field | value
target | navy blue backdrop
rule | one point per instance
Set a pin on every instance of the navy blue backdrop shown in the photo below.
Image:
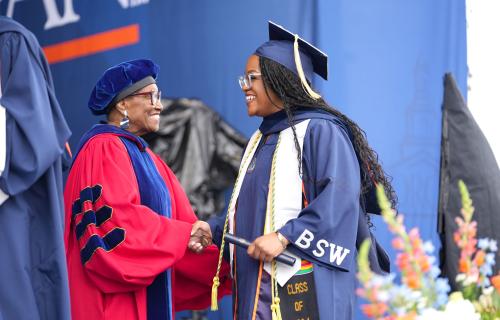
(387, 61)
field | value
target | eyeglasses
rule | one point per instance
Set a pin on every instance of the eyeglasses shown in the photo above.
(154, 95)
(246, 80)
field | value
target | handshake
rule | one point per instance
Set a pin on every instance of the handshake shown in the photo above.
(201, 237)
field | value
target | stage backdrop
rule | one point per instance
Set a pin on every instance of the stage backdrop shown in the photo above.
(387, 61)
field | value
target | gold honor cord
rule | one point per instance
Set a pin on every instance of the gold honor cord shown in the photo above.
(275, 304)
(300, 71)
(216, 281)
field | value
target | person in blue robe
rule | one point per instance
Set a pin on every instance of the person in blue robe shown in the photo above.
(338, 171)
(33, 274)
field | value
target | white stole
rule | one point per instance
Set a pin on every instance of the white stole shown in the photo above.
(287, 191)
(3, 141)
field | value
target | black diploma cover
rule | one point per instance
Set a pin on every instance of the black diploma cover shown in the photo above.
(283, 258)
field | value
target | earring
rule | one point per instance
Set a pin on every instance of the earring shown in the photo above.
(124, 123)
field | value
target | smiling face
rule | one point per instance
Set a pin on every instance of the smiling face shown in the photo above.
(259, 103)
(144, 117)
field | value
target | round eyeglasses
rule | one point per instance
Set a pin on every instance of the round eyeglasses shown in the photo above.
(245, 81)
(154, 95)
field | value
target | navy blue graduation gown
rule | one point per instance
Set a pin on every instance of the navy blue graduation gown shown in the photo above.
(33, 273)
(331, 177)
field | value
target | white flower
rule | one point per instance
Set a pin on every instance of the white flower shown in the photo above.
(431, 314)
(383, 296)
(483, 243)
(428, 247)
(460, 309)
(379, 280)
(460, 277)
(488, 290)
(455, 309)
(490, 258)
(493, 245)
(471, 279)
(435, 272)
(487, 244)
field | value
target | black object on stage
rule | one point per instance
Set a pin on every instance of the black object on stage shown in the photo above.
(202, 149)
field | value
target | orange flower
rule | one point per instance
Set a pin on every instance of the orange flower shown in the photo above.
(424, 264)
(409, 316)
(413, 281)
(374, 310)
(416, 243)
(398, 244)
(464, 266)
(473, 230)
(496, 282)
(479, 258)
(403, 261)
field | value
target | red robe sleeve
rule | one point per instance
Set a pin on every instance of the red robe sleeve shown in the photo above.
(123, 244)
(193, 274)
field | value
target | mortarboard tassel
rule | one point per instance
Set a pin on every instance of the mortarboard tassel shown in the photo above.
(300, 71)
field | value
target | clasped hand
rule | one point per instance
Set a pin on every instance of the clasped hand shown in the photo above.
(201, 236)
(266, 247)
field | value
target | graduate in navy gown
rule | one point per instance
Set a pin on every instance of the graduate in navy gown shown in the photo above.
(33, 280)
(306, 186)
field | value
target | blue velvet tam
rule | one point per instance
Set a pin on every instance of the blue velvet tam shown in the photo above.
(120, 81)
(280, 48)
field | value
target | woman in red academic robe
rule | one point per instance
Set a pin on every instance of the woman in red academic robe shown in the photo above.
(128, 221)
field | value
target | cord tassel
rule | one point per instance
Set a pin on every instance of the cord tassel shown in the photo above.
(215, 286)
(216, 281)
(300, 71)
(275, 309)
(275, 304)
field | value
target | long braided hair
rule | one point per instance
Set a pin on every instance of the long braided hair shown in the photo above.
(289, 89)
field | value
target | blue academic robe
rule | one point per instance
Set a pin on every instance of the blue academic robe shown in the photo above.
(331, 178)
(33, 273)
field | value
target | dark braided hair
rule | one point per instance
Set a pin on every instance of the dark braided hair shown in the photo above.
(289, 89)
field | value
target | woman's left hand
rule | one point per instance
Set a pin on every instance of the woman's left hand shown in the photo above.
(266, 247)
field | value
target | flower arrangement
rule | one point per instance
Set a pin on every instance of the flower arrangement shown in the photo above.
(422, 294)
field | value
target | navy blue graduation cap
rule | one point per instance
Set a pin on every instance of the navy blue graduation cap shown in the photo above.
(120, 81)
(295, 54)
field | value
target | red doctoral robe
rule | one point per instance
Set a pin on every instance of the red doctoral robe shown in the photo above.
(111, 283)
